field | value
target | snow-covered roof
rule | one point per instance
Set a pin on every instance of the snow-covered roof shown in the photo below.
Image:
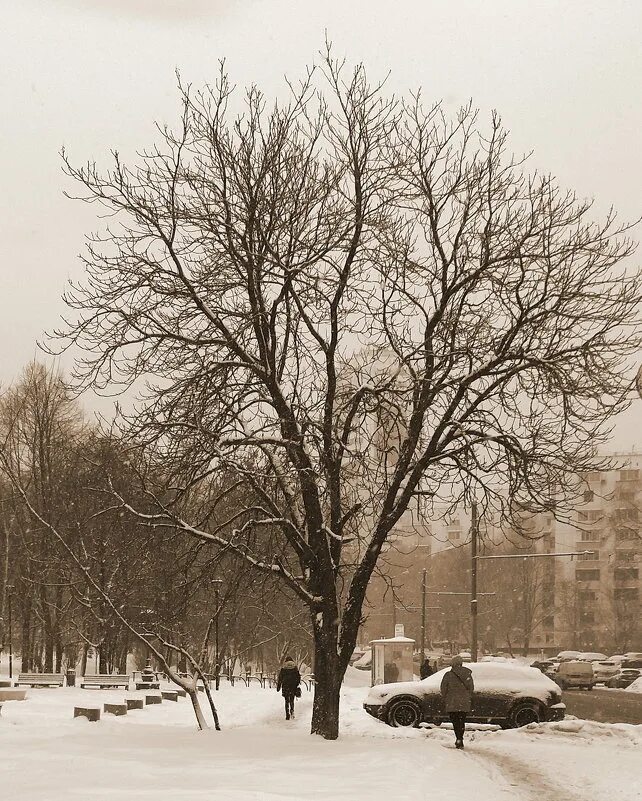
(392, 639)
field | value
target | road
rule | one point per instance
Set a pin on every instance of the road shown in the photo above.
(606, 706)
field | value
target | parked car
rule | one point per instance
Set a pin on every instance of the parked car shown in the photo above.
(604, 670)
(507, 694)
(357, 654)
(624, 677)
(632, 663)
(567, 656)
(365, 661)
(542, 664)
(617, 658)
(633, 655)
(591, 656)
(575, 674)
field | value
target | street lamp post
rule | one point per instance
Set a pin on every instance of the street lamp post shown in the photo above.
(474, 606)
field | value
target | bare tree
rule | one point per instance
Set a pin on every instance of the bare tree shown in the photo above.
(351, 306)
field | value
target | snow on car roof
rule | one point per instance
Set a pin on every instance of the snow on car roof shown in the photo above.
(489, 678)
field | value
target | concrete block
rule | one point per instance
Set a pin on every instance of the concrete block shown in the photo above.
(87, 712)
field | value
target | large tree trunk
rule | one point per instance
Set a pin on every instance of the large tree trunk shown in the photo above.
(103, 666)
(328, 676)
(26, 661)
(83, 661)
(59, 654)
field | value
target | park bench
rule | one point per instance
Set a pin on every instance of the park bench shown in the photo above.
(105, 680)
(41, 679)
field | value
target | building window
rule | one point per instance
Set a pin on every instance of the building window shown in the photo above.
(588, 495)
(588, 617)
(629, 475)
(586, 596)
(590, 478)
(549, 622)
(625, 556)
(626, 573)
(626, 594)
(590, 536)
(549, 638)
(625, 534)
(587, 575)
(626, 514)
(591, 556)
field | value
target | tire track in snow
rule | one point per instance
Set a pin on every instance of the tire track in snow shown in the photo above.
(521, 778)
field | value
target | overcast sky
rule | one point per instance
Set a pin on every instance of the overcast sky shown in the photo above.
(95, 74)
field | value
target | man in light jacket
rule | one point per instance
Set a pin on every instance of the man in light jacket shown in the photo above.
(457, 689)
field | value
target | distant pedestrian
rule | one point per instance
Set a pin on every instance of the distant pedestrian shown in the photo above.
(457, 689)
(288, 683)
(425, 669)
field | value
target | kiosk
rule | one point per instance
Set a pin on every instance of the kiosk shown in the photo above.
(392, 660)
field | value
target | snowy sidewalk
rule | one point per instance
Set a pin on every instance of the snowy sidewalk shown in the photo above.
(156, 753)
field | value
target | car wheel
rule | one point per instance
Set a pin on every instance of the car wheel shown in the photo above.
(523, 714)
(589, 687)
(404, 713)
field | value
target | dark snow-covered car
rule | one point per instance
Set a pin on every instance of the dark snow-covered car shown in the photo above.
(624, 677)
(505, 694)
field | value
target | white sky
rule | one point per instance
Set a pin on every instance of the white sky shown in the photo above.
(95, 74)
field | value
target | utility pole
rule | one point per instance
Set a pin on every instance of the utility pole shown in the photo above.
(423, 613)
(473, 581)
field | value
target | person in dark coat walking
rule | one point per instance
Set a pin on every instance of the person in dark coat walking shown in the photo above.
(457, 689)
(425, 669)
(288, 683)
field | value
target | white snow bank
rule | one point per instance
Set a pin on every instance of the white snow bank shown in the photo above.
(156, 754)
(581, 730)
(636, 687)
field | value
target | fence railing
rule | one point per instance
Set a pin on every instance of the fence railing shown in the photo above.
(265, 680)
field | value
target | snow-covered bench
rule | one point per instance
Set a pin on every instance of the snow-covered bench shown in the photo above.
(41, 679)
(104, 680)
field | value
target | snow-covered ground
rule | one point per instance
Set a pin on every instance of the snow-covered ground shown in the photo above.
(157, 754)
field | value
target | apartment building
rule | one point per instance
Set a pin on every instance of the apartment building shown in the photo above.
(599, 596)
(591, 601)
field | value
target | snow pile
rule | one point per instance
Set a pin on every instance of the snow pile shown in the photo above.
(636, 687)
(589, 731)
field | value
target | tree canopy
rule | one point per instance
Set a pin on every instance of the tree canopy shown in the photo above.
(343, 307)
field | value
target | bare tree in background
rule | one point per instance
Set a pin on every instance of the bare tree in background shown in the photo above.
(352, 306)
